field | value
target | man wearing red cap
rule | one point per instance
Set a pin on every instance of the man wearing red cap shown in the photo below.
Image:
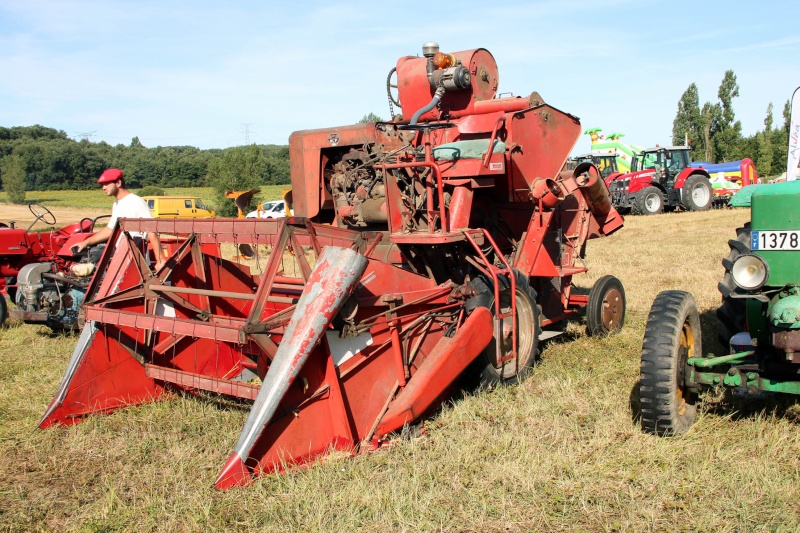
(126, 205)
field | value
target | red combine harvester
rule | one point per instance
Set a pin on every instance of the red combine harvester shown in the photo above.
(435, 245)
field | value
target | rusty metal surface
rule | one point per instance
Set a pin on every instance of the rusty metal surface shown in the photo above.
(788, 341)
(28, 316)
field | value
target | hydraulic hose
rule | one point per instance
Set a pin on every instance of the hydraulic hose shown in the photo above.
(437, 97)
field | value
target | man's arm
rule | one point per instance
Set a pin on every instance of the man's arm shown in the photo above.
(100, 236)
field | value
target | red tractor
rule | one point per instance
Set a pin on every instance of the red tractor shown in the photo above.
(440, 245)
(41, 274)
(662, 178)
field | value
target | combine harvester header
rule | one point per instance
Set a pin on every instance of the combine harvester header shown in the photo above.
(440, 245)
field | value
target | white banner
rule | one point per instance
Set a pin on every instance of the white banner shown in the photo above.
(794, 138)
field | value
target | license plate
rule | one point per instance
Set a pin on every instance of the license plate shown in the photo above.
(775, 240)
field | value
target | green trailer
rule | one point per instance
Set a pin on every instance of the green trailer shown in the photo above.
(759, 320)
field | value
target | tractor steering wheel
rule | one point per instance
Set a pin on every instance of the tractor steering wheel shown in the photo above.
(42, 213)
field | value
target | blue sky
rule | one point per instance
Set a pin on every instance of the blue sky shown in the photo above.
(214, 74)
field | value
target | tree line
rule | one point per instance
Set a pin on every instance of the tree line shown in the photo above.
(37, 158)
(715, 136)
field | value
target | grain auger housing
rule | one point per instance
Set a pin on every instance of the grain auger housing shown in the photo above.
(438, 245)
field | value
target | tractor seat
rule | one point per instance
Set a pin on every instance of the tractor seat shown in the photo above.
(471, 149)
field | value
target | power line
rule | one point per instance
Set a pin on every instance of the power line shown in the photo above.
(85, 135)
(247, 132)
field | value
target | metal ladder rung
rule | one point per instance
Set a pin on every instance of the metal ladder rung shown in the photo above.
(199, 381)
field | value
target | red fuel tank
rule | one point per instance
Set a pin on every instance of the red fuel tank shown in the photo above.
(415, 91)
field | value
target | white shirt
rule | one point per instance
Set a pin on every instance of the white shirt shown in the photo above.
(131, 206)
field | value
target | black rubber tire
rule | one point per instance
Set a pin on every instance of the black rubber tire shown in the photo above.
(697, 193)
(483, 368)
(648, 201)
(605, 311)
(3, 309)
(12, 291)
(671, 336)
(731, 312)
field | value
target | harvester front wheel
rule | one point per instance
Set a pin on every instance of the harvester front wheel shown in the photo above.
(490, 370)
(605, 312)
(671, 336)
(698, 194)
(3, 309)
(731, 313)
(649, 201)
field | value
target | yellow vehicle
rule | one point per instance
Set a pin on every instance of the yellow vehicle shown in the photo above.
(177, 207)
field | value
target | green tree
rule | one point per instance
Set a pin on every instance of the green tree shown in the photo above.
(730, 130)
(764, 145)
(12, 170)
(239, 169)
(780, 141)
(709, 123)
(52, 160)
(787, 117)
(688, 122)
(370, 117)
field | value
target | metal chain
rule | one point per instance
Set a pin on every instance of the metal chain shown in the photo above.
(389, 93)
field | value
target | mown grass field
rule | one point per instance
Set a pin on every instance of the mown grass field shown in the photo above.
(561, 451)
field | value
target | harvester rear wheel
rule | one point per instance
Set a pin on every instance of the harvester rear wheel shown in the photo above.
(605, 312)
(490, 372)
(731, 313)
(698, 194)
(648, 201)
(671, 336)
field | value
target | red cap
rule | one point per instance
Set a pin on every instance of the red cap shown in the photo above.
(112, 174)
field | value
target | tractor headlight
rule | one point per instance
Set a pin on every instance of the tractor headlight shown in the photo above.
(749, 272)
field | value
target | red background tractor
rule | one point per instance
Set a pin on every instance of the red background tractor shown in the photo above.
(661, 179)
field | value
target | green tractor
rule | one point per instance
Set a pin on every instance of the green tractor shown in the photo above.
(759, 315)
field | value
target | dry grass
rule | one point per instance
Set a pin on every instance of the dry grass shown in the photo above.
(558, 452)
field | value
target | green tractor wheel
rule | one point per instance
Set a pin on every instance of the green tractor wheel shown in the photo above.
(671, 336)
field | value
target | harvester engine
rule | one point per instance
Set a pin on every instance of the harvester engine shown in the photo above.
(437, 246)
